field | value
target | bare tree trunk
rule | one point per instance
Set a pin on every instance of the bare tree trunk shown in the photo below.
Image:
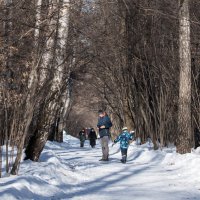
(54, 60)
(184, 113)
(6, 137)
(0, 160)
(29, 100)
(28, 115)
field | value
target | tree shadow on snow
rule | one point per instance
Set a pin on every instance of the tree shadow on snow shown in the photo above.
(103, 182)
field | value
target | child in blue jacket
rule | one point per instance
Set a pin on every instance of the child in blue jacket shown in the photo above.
(124, 138)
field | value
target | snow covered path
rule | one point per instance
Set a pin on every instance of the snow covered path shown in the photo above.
(66, 171)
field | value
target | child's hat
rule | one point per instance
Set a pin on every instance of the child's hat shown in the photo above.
(100, 112)
(124, 128)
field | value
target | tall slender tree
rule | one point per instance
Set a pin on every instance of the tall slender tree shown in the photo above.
(184, 112)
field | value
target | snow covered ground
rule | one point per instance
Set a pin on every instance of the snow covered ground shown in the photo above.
(66, 171)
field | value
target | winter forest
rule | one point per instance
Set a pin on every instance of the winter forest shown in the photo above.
(63, 60)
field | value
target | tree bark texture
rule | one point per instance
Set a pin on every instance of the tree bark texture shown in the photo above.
(184, 112)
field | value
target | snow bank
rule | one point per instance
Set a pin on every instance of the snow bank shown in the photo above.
(40, 180)
(66, 171)
(185, 166)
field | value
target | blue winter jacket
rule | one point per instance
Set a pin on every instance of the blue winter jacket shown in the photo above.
(104, 121)
(124, 138)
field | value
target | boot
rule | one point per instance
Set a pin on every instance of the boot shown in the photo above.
(104, 159)
(123, 160)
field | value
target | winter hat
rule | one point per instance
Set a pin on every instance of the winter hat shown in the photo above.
(124, 128)
(100, 111)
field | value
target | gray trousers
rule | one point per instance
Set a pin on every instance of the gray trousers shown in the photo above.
(105, 148)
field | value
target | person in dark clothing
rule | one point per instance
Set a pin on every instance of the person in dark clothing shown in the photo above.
(104, 124)
(196, 137)
(82, 137)
(92, 137)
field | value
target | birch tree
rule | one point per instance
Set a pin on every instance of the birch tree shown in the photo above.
(55, 63)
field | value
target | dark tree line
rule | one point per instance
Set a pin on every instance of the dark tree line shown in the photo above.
(37, 57)
(145, 69)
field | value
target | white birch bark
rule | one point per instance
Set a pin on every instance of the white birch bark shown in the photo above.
(61, 47)
(48, 52)
(62, 69)
(38, 18)
(33, 75)
(57, 52)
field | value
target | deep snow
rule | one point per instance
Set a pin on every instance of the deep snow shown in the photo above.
(66, 171)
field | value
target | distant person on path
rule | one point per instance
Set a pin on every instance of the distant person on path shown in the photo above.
(92, 137)
(104, 124)
(196, 137)
(124, 138)
(82, 137)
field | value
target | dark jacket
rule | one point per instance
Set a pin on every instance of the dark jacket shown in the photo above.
(82, 136)
(124, 138)
(92, 135)
(104, 121)
(197, 138)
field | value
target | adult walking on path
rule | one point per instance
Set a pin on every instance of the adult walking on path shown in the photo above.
(104, 124)
(82, 137)
(92, 137)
